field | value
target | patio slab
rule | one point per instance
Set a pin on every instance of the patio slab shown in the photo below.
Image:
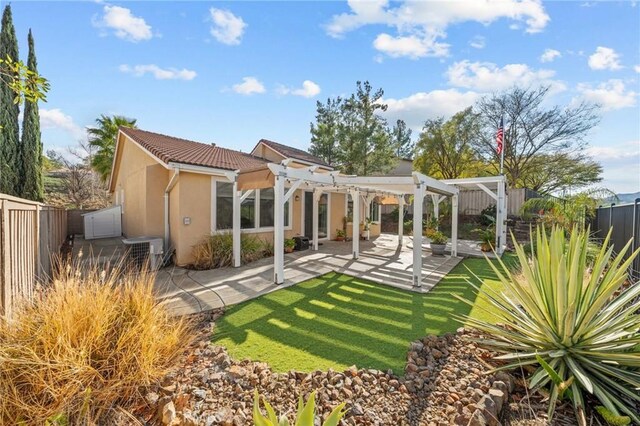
(187, 291)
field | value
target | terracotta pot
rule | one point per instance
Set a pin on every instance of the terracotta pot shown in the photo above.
(339, 238)
(288, 249)
(486, 247)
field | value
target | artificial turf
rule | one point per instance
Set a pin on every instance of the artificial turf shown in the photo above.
(336, 320)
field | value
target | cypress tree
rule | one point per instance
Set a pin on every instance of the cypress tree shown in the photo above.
(9, 111)
(31, 146)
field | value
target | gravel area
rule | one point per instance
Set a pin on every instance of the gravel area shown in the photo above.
(444, 383)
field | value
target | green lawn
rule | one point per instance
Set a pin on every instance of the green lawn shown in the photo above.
(336, 320)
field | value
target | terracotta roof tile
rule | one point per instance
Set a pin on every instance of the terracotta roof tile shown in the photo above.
(295, 153)
(171, 149)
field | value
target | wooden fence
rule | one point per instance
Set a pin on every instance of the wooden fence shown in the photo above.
(30, 233)
(471, 203)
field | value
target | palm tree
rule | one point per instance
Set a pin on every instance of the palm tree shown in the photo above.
(102, 137)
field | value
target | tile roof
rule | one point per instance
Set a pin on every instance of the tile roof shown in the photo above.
(295, 153)
(171, 149)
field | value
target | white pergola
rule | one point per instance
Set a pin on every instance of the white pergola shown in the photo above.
(286, 180)
(495, 187)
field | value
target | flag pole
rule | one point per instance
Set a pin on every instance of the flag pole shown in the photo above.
(504, 139)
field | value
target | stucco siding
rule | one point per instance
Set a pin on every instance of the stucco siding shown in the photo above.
(195, 204)
(130, 183)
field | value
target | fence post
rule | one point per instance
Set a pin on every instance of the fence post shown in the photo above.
(5, 291)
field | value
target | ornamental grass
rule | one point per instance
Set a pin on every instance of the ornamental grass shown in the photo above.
(87, 349)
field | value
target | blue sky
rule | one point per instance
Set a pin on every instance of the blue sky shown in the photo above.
(235, 72)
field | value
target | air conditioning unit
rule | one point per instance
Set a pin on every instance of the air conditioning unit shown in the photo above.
(144, 250)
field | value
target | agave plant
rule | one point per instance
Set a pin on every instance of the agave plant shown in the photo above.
(572, 317)
(305, 417)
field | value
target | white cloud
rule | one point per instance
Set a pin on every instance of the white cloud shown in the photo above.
(611, 94)
(249, 86)
(605, 58)
(614, 152)
(227, 28)
(421, 25)
(418, 107)
(411, 46)
(550, 55)
(309, 89)
(159, 73)
(478, 42)
(637, 68)
(56, 119)
(124, 24)
(486, 76)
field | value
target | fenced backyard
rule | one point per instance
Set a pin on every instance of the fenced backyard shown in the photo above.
(30, 233)
(624, 220)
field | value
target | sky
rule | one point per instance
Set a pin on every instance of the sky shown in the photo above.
(232, 73)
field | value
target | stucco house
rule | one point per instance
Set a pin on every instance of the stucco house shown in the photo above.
(182, 190)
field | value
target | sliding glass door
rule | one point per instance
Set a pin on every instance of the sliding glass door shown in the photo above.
(323, 215)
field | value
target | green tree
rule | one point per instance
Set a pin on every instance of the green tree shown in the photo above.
(324, 132)
(445, 148)
(364, 142)
(401, 138)
(548, 173)
(102, 138)
(531, 128)
(10, 167)
(31, 146)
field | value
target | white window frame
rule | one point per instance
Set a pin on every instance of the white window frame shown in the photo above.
(256, 230)
(379, 218)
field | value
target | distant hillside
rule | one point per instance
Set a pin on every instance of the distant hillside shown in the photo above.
(625, 198)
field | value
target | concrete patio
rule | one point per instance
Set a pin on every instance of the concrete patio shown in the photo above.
(187, 291)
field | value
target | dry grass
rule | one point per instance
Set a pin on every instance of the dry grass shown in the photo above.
(86, 349)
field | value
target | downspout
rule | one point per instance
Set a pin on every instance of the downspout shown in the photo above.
(167, 191)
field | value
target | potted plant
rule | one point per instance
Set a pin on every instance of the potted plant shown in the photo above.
(486, 237)
(438, 243)
(289, 245)
(340, 234)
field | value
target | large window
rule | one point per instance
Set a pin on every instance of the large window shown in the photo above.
(248, 212)
(224, 205)
(256, 211)
(374, 211)
(266, 207)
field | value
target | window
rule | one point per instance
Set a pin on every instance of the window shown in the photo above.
(374, 211)
(266, 207)
(256, 211)
(248, 212)
(224, 205)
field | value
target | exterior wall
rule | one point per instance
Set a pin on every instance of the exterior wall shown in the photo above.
(194, 202)
(142, 181)
(267, 153)
(337, 213)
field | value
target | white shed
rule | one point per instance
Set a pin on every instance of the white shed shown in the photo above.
(105, 223)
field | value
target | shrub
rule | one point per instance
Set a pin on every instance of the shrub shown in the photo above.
(88, 347)
(216, 251)
(306, 415)
(437, 237)
(574, 315)
(488, 216)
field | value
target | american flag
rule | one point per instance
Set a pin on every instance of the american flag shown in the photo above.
(500, 136)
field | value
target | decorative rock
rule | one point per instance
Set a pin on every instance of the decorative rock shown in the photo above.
(477, 419)
(168, 413)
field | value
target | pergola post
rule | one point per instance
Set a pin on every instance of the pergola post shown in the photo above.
(237, 240)
(355, 196)
(400, 219)
(454, 225)
(418, 199)
(278, 229)
(436, 208)
(317, 193)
